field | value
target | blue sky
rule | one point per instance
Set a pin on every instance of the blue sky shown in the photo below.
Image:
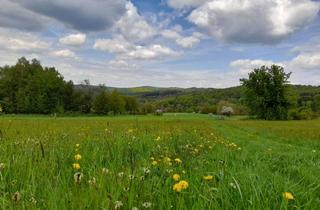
(181, 43)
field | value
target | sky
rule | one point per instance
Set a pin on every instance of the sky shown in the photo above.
(164, 43)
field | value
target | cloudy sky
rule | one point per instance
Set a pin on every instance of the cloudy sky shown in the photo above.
(176, 43)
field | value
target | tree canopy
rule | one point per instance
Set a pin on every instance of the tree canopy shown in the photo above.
(265, 92)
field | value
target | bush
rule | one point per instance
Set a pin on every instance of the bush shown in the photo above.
(302, 114)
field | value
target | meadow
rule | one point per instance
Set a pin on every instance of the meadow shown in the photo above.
(158, 162)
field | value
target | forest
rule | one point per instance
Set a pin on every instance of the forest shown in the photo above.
(29, 88)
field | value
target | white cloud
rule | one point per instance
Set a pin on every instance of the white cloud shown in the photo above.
(244, 66)
(122, 64)
(170, 34)
(183, 41)
(133, 26)
(22, 42)
(73, 39)
(115, 45)
(188, 42)
(64, 53)
(151, 52)
(258, 21)
(307, 61)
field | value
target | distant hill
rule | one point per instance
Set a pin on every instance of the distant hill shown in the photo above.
(160, 93)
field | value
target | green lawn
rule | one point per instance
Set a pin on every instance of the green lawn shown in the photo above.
(129, 161)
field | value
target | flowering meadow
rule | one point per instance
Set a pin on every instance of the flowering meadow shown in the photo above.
(158, 162)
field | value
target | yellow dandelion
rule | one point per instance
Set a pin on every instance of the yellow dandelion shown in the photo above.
(77, 145)
(176, 177)
(178, 160)
(76, 166)
(77, 157)
(130, 130)
(208, 178)
(158, 138)
(154, 163)
(288, 196)
(177, 187)
(184, 184)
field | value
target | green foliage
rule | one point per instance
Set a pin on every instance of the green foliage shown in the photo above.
(252, 163)
(265, 92)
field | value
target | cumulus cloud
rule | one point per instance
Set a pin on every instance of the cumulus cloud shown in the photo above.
(83, 15)
(22, 42)
(64, 53)
(73, 39)
(307, 61)
(151, 52)
(183, 41)
(126, 50)
(133, 26)
(115, 45)
(244, 66)
(259, 21)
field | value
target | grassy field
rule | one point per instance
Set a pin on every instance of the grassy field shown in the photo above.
(168, 162)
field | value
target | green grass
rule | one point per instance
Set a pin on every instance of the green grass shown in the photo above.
(252, 162)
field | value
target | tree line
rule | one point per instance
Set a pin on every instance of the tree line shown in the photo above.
(29, 88)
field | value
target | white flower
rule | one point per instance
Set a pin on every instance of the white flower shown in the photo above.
(118, 204)
(146, 205)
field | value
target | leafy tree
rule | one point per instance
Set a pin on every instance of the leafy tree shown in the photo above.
(265, 92)
(102, 103)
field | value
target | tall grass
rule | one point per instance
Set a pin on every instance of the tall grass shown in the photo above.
(129, 162)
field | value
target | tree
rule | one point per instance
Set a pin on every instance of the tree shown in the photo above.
(265, 92)
(101, 103)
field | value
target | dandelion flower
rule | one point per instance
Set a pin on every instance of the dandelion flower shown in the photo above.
(184, 184)
(177, 187)
(208, 178)
(158, 138)
(178, 160)
(176, 177)
(77, 157)
(76, 166)
(154, 163)
(288, 196)
(77, 145)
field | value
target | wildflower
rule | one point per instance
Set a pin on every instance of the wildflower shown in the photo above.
(130, 130)
(118, 204)
(184, 184)
(146, 205)
(131, 177)
(93, 181)
(120, 174)
(77, 177)
(2, 166)
(233, 185)
(146, 171)
(178, 160)
(208, 178)
(288, 196)
(135, 208)
(176, 177)
(76, 166)
(158, 138)
(77, 145)
(105, 171)
(77, 157)
(16, 197)
(126, 189)
(154, 163)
